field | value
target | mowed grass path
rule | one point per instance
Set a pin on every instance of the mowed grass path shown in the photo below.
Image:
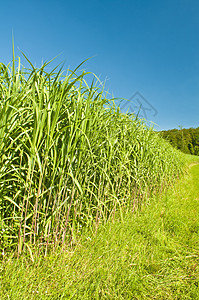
(152, 254)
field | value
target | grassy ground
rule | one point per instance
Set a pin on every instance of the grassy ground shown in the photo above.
(152, 254)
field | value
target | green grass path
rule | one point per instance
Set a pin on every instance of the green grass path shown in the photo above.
(152, 254)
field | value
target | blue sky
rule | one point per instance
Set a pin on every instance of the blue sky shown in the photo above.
(145, 50)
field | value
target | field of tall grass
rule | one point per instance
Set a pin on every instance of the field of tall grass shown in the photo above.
(69, 158)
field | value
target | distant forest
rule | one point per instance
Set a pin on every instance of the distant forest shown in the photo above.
(186, 140)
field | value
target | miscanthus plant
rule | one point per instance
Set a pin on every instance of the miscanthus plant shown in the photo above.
(69, 158)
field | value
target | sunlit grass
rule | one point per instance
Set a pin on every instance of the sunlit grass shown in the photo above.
(69, 159)
(152, 254)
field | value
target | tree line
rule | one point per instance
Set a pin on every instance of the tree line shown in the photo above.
(186, 140)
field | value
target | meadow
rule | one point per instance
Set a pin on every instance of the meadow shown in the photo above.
(71, 163)
(151, 254)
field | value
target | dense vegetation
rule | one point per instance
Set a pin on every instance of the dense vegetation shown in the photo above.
(69, 159)
(151, 254)
(83, 213)
(186, 140)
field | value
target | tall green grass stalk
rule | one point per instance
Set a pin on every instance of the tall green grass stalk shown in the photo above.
(69, 158)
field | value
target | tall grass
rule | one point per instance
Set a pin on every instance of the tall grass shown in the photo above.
(69, 158)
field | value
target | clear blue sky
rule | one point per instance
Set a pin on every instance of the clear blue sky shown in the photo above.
(150, 47)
